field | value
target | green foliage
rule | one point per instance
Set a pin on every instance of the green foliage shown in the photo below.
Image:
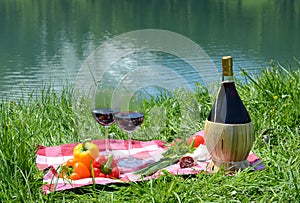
(272, 98)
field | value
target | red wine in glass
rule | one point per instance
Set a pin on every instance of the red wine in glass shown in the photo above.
(129, 121)
(105, 117)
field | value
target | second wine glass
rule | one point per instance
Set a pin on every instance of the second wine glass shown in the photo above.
(129, 121)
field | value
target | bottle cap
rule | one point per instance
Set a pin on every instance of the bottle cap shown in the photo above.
(227, 65)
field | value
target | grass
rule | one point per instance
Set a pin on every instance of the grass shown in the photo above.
(271, 97)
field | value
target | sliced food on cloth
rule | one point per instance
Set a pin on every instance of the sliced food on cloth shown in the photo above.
(191, 159)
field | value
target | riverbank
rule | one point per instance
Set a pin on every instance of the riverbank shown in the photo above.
(272, 99)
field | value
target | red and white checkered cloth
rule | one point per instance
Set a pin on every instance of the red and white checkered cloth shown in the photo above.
(149, 151)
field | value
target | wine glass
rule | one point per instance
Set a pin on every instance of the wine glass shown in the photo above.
(103, 113)
(129, 121)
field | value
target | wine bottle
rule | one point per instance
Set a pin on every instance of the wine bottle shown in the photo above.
(228, 107)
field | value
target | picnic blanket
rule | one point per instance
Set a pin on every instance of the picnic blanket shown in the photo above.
(150, 151)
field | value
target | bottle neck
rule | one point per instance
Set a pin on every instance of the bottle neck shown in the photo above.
(227, 78)
(227, 73)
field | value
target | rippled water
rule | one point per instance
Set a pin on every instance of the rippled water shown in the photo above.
(47, 42)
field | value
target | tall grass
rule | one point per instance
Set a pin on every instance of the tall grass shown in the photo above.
(272, 98)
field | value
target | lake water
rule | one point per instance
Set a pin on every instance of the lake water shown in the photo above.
(47, 42)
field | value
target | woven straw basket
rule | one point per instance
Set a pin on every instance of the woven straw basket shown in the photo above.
(228, 144)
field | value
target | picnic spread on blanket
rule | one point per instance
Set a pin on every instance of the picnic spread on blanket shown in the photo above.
(150, 151)
(225, 143)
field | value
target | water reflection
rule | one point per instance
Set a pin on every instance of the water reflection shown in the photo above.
(47, 41)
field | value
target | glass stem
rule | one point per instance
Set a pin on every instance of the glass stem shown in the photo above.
(129, 145)
(106, 140)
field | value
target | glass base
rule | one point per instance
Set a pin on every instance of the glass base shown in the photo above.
(130, 162)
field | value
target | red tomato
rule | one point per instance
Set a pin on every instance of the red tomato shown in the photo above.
(102, 175)
(198, 139)
(97, 163)
(100, 160)
(114, 163)
(115, 173)
(97, 171)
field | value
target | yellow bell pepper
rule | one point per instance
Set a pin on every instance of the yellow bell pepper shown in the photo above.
(86, 152)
